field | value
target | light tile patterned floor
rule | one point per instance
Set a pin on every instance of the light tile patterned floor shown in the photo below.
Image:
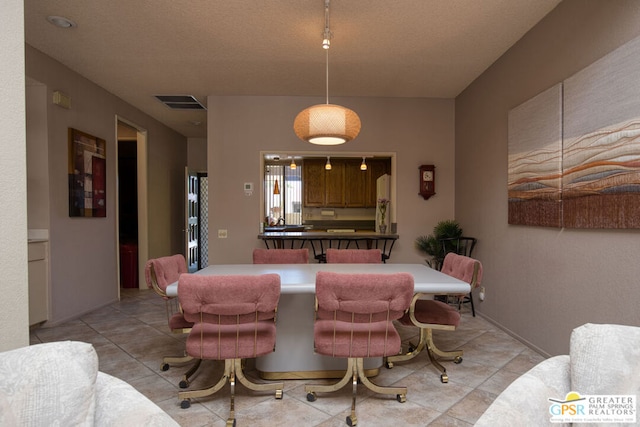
(132, 336)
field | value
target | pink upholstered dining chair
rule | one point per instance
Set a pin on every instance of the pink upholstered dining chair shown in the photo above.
(354, 320)
(354, 256)
(234, 319)
(429, 314)
(160, 273)
(281, 256)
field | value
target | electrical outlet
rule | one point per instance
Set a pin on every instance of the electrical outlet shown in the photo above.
(481, 294)
(222, 234)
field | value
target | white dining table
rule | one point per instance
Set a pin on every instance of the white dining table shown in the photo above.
(294, 356)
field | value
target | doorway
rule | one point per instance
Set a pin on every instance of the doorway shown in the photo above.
(128, 211)
(131, 223)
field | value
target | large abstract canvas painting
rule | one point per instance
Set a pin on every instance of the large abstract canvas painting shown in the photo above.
(574, 150)
(601, 156)
(535, 160)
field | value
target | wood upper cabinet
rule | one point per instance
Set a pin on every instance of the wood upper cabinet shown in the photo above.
(335, 185)
(314, 183)
(356, 180)
(345, 185)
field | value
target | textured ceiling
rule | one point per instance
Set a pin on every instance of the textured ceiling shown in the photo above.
(393, 48)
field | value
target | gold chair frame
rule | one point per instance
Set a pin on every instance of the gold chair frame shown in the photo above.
(355, 372)
(172, 306)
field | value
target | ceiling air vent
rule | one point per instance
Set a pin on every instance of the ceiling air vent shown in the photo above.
(180, 102)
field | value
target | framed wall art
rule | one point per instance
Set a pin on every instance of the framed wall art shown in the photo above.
(87, 175)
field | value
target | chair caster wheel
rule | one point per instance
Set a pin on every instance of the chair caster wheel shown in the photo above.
(164, 367)
(183, 384)
(185, 404)
(352, 421)
(278, 394)
(401, 398)
(311, 397)
(444, 378)
(231, 422)
(389, 365)
(457, 360)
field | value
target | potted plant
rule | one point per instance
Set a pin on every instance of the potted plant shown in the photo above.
(436, 245)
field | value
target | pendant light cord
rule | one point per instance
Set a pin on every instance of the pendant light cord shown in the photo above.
(327, 36)
(327, 94)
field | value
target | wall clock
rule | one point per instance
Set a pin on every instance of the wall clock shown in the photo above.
(427, 181)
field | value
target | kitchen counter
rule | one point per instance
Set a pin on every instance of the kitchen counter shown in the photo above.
(339, 239)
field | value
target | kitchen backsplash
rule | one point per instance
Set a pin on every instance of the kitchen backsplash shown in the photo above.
(339, 214)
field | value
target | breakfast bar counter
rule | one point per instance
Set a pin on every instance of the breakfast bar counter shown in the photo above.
(319, 241)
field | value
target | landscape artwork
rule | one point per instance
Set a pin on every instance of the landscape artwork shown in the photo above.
(574, 150)
(535, 160)
(601, 156)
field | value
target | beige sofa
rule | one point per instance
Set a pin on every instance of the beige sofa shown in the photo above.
(59, 383)
(602, 360)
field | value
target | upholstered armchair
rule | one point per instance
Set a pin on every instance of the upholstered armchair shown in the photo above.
(281, 256)
(234, 319)
(59, 384)
(160, 273)
(603, 359)
(428, 315)
(354, 320)
(354, 256)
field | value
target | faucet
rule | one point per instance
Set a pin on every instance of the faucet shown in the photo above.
(281, 220)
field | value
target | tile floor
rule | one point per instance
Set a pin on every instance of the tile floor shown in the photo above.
(131, 337)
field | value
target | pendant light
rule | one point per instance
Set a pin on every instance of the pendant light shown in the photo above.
(293, 165)
(327, 124)
(327, 166)
(363, 166)
(276, 188)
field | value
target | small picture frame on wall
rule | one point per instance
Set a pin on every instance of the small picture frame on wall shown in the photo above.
(87, 175)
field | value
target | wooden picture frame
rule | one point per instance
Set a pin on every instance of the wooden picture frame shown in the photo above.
(87, 175)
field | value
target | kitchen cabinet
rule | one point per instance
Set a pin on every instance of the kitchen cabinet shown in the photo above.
(345, 185)
(334, 192)
(356, 184)
(38, 282)
(314, 183)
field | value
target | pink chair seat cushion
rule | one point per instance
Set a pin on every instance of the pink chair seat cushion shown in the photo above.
(368, 340)
(434, 313)
(219, 342)
(177, 321)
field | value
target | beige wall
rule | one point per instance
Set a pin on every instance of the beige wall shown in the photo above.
(542, 282)
(14, 315)
(83, 251)
(419, 131)
(197, 154)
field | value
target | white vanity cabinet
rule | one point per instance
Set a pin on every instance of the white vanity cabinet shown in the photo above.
(38, 282)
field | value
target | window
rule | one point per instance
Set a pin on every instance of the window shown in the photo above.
(288, 204)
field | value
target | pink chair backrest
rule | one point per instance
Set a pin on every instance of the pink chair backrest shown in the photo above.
(167, 270)
(464, 268)
(281, 256)
(354, 256)
(364, 294)
(229, 299)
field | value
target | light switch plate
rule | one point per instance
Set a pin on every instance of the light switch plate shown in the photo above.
(222, 234)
